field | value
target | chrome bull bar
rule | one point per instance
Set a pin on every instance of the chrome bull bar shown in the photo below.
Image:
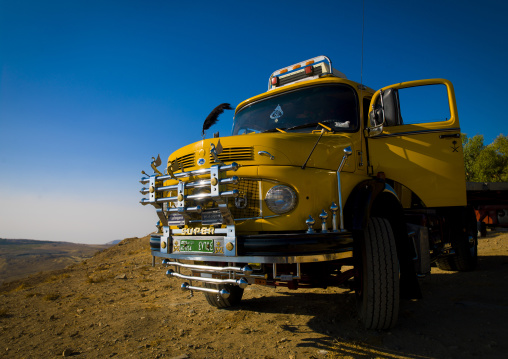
(242, 282)
(184, 203)
(214, 182)
(246, 270)
(231, 167)
(234, 272)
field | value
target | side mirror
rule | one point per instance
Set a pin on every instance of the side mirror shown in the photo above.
(386, 112)
(390, 103)
(376, 120)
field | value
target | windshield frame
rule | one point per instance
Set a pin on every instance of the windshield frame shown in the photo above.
(353, 129)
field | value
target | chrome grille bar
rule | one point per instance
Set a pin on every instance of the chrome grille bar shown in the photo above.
(225, 194)
(231, 167)
(213, 182)
(196, 184)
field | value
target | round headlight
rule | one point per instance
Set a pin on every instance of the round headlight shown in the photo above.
(281, 199)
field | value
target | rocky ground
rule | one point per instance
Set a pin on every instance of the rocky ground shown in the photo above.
(117, 305)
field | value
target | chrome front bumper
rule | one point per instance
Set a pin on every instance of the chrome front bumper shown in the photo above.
(263, 248)
(285, 249)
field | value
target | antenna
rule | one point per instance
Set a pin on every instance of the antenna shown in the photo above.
(363, 31)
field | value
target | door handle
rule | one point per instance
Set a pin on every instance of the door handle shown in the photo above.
(455, 135)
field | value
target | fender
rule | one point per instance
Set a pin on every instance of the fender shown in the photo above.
(359, 204)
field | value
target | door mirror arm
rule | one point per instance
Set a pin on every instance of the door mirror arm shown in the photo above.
(373, 131)
(376, 119)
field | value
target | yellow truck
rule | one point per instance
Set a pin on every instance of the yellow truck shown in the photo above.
(323, 182)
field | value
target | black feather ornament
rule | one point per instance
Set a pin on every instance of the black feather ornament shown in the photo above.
(213, 117)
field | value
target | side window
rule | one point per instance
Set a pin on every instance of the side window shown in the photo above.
(423, 104)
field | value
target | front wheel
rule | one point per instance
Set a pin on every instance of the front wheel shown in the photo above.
(377, 293)
(235, 295)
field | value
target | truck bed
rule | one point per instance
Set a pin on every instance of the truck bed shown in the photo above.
(489, 193)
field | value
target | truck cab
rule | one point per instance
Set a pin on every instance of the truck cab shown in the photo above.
(323, 182)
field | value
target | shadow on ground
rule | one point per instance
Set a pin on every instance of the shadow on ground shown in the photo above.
(462, 314)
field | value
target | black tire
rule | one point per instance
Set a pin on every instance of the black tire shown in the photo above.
(465, 246)
(235, 295)
(377, 294)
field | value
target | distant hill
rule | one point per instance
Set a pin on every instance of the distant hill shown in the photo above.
(112, 243)
(22, 257)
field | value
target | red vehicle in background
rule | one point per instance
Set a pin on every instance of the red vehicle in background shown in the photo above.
(490, 201)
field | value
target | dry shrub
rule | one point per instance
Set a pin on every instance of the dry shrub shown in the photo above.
(3, 313)
(51, 296)
(20, 287)
(56, 278)
(145, 280)
(31, 295)
(102, 266)
(96, 279)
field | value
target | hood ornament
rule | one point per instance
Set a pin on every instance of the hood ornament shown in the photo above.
(172, 167)
(215, 151)
(156, 163)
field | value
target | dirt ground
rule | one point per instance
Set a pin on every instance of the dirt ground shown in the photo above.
(116, 305)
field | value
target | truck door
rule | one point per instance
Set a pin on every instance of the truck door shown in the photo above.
(414, 138)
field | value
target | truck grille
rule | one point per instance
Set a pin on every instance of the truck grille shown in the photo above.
(235, 154)
(249, 192)
(186, 161)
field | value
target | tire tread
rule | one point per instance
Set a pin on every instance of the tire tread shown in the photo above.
(381, 307)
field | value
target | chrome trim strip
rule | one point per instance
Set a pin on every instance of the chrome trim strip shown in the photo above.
(247, 218)
(179, 231)
(260, 186)
(347, 253)
(409, 133)
(246, 270)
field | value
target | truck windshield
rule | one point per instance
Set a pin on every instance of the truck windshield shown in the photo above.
(335, 106)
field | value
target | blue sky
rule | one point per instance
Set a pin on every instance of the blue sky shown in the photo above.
(91, 90)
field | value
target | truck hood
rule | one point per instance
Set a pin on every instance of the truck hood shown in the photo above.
(268, 149)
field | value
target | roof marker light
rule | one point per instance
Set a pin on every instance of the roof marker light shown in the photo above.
(303, 71)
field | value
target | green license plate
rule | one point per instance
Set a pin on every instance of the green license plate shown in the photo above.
(196, 245)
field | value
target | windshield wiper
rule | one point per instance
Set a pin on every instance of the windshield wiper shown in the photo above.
(275, 130)
(312, 124)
